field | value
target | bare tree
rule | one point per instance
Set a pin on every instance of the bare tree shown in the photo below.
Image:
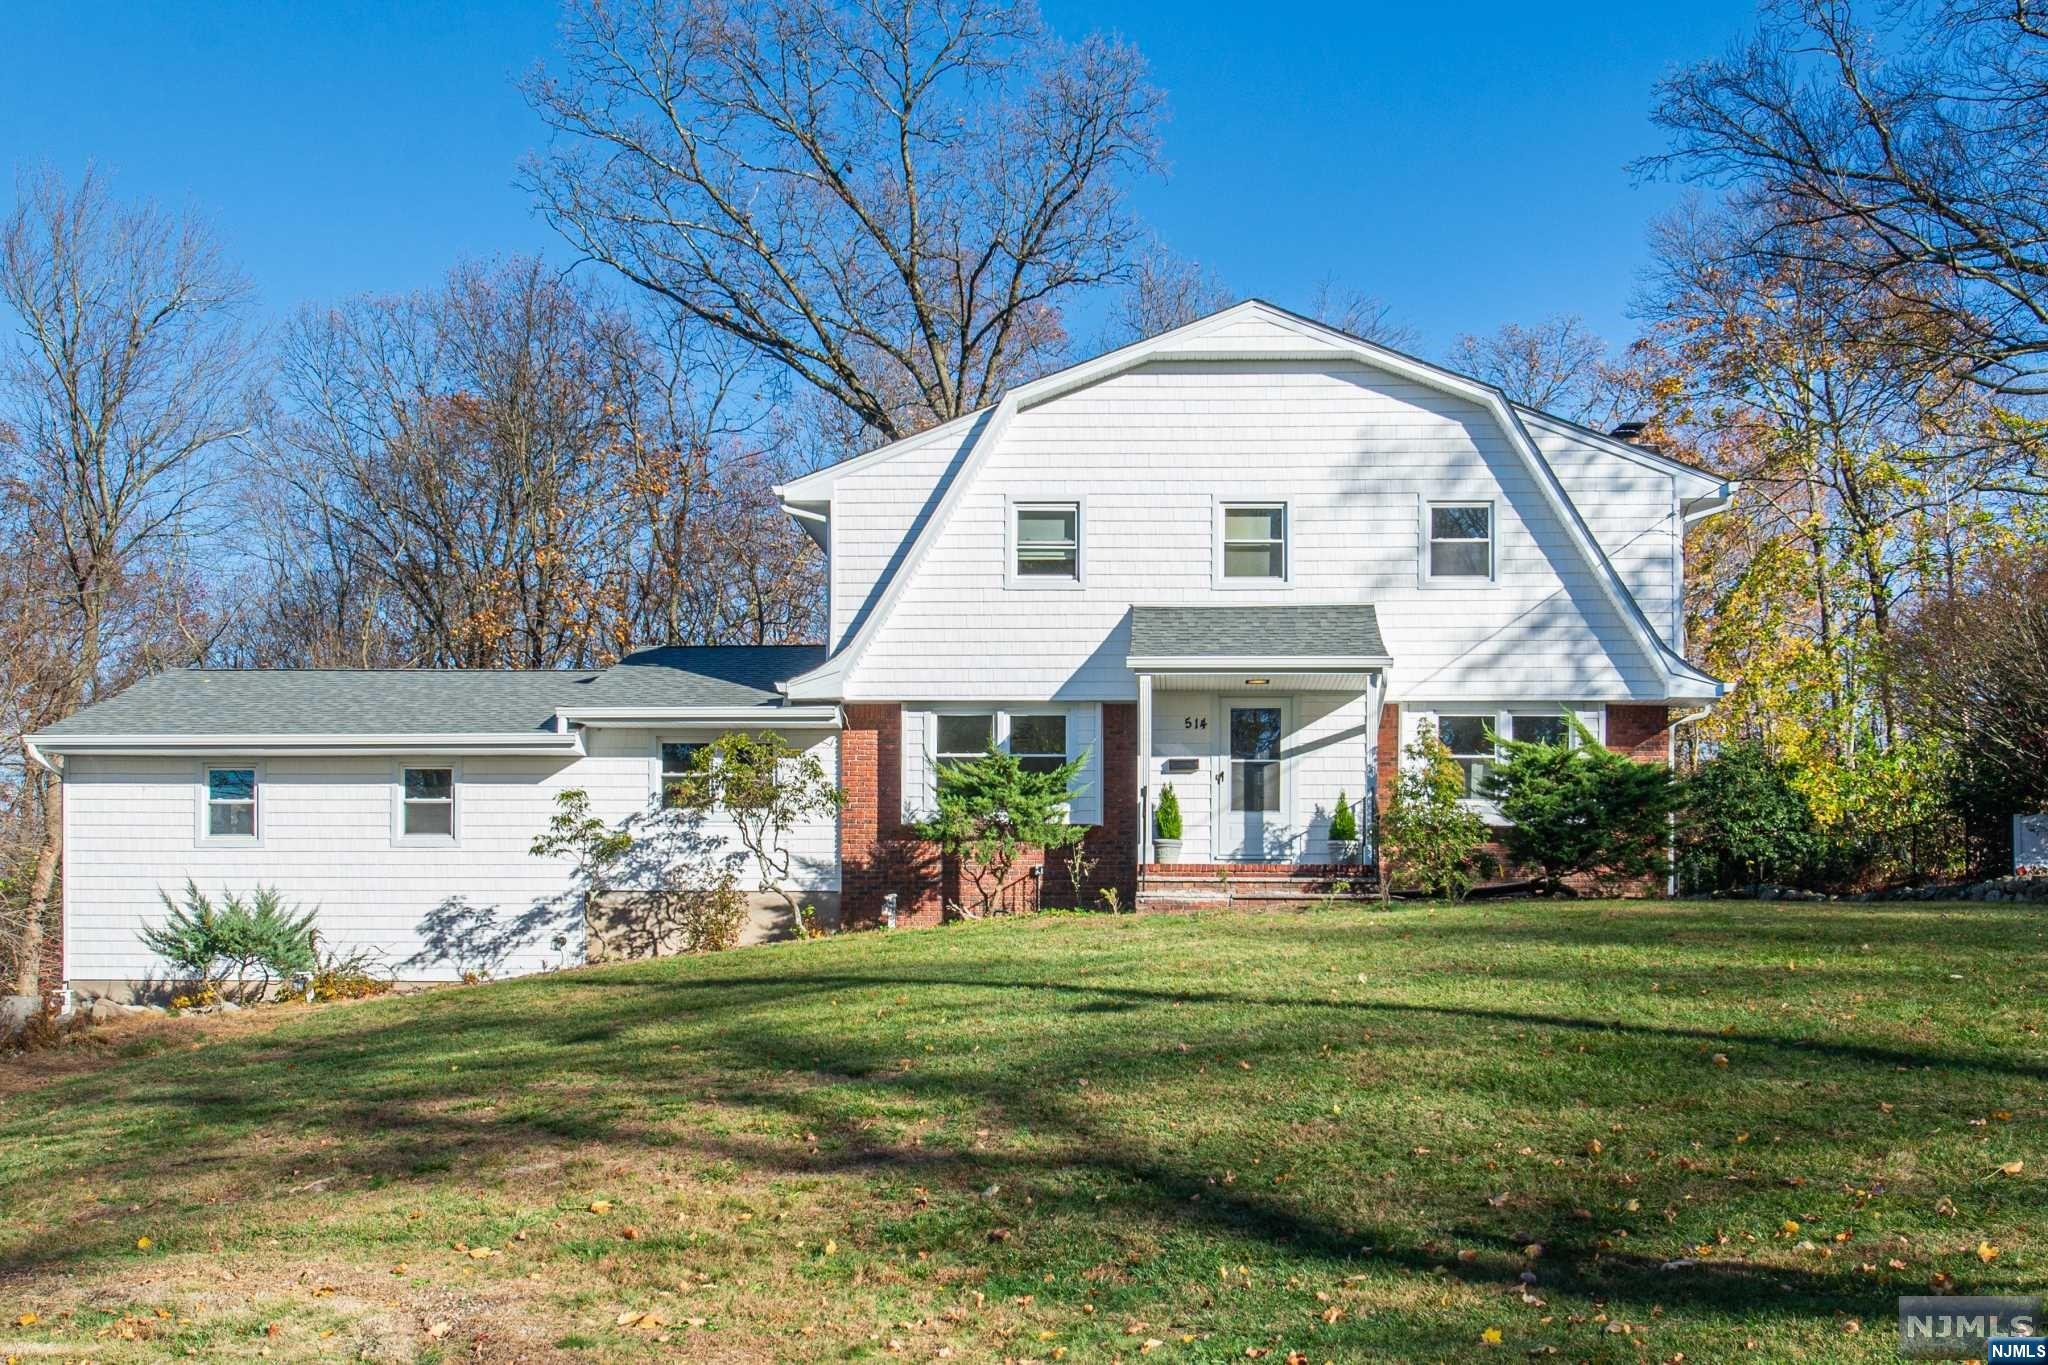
(1165, 291)
(1915, 148)
(1362, 315)
(1556, 366)
(890, 202)
(128, 371)
(507, 471)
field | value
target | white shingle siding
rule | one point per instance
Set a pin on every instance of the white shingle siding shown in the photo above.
(876, 513)
(326, 824)
(1354, 454)
(1632, 511)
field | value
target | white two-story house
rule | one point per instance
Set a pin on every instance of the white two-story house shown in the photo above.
(1245, 560)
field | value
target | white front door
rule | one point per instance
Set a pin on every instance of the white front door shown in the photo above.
(1254, 779)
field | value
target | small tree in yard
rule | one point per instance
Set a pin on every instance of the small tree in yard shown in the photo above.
(255, 935)
(766, 788)
(1745, 821)
(1429, 838)
(1577, 807)
(993, 810)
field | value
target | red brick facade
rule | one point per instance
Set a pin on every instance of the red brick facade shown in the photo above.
(1641, 732)
(879, 855)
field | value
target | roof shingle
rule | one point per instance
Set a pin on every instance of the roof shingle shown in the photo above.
(1285, 632)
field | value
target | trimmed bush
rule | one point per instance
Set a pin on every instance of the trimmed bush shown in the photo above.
(1746, 823)
(1579, 809)
(1166, 817)
(1343, 824)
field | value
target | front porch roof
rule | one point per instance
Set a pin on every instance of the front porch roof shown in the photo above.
(1290, 639)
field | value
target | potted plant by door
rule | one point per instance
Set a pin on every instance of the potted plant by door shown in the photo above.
(1344, 842)
(1166, 828)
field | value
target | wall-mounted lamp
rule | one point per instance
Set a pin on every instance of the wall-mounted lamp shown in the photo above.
(1257, 682)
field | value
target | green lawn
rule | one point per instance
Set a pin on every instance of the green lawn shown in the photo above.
(1714, 1130)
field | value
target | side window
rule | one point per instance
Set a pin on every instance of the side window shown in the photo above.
(230, 803)
(677, 758)
(428, 799)
(1460, 540)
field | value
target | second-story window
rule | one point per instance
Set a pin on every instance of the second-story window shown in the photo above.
(1460, 540)
(1255, 541)
(1049, 540)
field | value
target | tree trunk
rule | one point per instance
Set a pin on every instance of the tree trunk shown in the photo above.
(29, 966)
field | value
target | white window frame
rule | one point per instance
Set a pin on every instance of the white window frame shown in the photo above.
(935, 755)
(1012, 545)
(1000, 717)
(401, 839)
(1426, 576)
(660, 770)
(1006, 729)
(202, 829)
(1224, 506)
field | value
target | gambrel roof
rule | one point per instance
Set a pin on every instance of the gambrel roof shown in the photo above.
(1287, 336)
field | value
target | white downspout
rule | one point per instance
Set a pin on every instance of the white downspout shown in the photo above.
(1671, 762)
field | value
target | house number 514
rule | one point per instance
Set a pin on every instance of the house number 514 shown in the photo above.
(1194, 722)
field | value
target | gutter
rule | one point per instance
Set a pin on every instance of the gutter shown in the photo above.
(1237, 663)
(749, 717)
(35, 756)
(525, 742)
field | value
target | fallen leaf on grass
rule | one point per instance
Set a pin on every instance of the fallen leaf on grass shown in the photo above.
(438, 1330)
(1491, 1336)
(143, 1244)
(1986, 1252)
(2012, 1168)
(25, 1320)
(600, 1206)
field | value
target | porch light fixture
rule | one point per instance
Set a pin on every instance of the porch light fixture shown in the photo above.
(1257, 682)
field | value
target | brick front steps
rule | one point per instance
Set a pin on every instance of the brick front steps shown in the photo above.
(1218, 886)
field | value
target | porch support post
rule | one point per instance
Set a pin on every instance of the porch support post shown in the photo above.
(1375, 699)
(1144, 840)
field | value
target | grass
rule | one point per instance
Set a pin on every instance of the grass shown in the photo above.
(1722, 1130)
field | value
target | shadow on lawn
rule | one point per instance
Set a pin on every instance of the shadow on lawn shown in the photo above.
(393, 1119)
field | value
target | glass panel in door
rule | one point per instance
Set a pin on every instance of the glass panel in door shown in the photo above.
(1254, 778)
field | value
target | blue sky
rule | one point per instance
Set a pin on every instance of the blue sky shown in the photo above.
(1464, 163)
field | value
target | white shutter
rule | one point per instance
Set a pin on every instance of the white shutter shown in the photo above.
(1084, 731)
(1593, 715)
(920, 776)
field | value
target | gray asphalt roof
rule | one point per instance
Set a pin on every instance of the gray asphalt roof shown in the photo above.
(435, 701)
(1266, 632)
